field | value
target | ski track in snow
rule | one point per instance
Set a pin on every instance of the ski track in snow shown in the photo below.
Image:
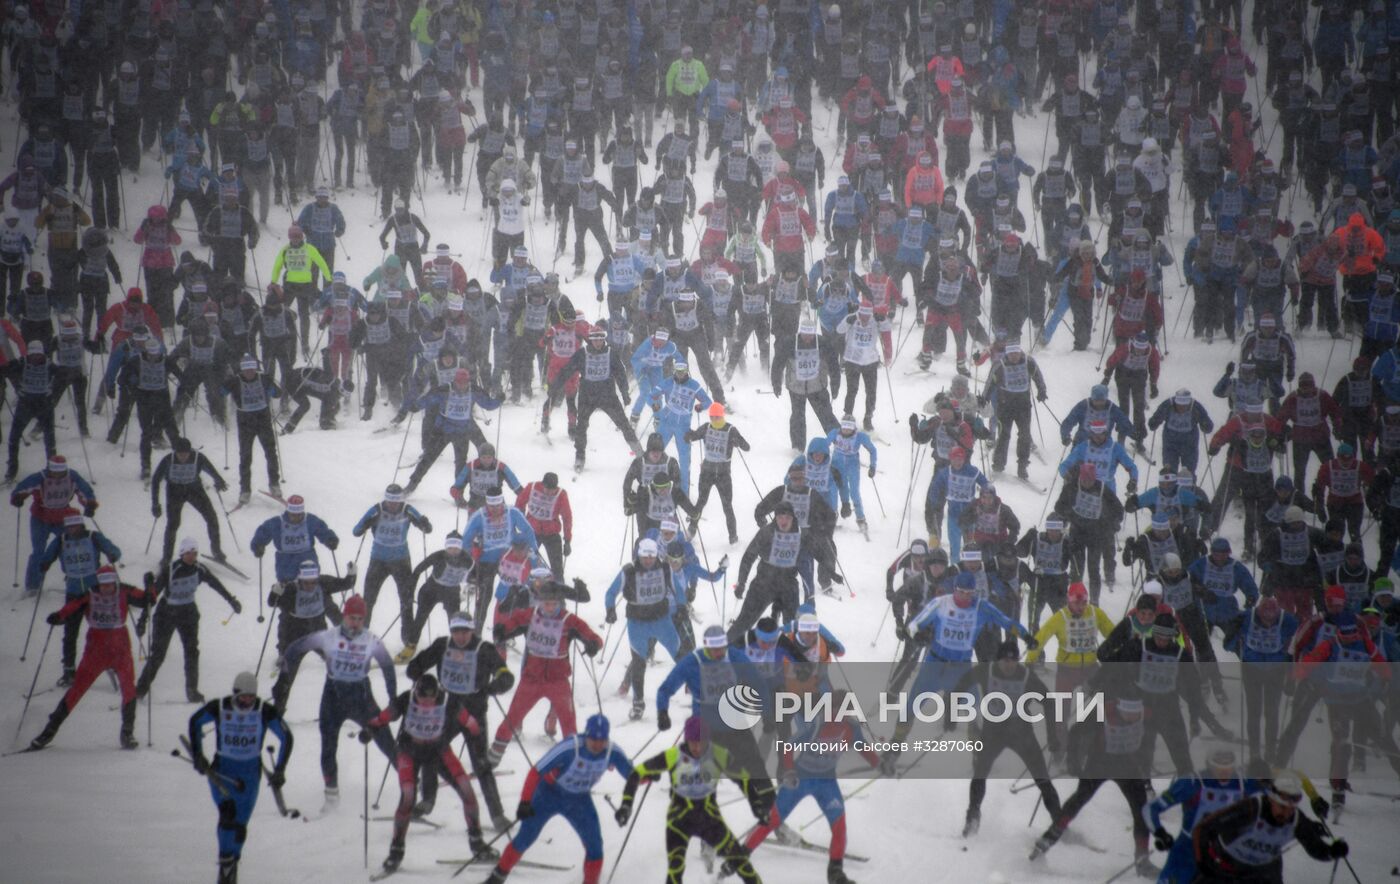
(84, 811)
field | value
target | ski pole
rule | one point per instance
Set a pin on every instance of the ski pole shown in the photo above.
(266, 634)
(29, 696)
(630, 826)
(150, 535)
(260, 589)
(19, 516)
(365, 746)
(38, 594)
(231, 536)
(382, 780)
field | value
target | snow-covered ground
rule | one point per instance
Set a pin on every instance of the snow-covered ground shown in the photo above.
(84, 811)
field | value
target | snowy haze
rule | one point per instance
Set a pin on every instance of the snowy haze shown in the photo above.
(84, 811)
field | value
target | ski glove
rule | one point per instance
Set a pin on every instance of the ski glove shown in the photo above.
(525, 810)
(612, 616)
(1163, 839)
(53, 619)
(623, 813)
(568, 548)
(366, 736)
(1339, 849)
(277, 779)
(870, 472)
(236, 605)
(201, 765)
(663, 720)
(155, 510)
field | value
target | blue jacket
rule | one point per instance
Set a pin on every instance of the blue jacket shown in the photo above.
(495, 545)
(292, 544)
(648, 362)
(1220, 602)
(933, 616)
(390, 535)
(695, 675)
(1240, 644)
(1075, 427)
(1103, 460)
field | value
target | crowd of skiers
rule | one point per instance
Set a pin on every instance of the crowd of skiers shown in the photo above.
(1148, 109)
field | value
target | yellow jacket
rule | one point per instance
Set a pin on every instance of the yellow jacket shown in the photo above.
(1059, 627)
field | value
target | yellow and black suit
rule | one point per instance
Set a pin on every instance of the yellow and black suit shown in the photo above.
(693, 812)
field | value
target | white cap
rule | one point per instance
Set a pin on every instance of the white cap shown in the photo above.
(248, 363)
(36, 348)
(670, 525)
(452, 543)
(460, 621)
(1152, 587)
(647, 548)
(808, 623)
(715, 637)
(187, 544)
(308, 571)
(539, 572)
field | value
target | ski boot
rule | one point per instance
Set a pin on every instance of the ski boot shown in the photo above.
(962, 369)
(1146, 868)
(276, 490)
(973, 822)
(128, 738)
(578, 462)
(366, 413)
(868, 423)
(1339, 801)
(733, 538)
(925, 360)
(395, 857)
(66, 679)
(480, 849)
(835, 874)
(406, 654)
(846, 510)
(496, 877)
(499, 821)
(423, 808)
(786, 836)
(638, 707)
(228, 869)
(192, 695)
(244, 497)
(1022, 472)
(1046, 841)
(51, 728)
(332, 799)
(1221, 697)
(289, 428)
(635, 419)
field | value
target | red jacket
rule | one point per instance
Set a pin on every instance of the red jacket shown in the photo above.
(1120, 357)
(1232, 432)
(125, 316)
(540, 668)
(105, 622)
(1362, 247)
(547, 510)
(1335, 475)
(1311, 428)
(783, 228)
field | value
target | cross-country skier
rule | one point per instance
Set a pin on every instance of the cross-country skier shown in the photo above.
(241, 721)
